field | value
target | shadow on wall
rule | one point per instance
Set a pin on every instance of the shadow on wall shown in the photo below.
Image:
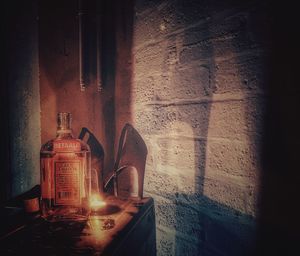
(254, 99)
(206, 123)
(108, 75)
(203, 216)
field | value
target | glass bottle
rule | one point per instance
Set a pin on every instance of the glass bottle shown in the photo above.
(65, 174)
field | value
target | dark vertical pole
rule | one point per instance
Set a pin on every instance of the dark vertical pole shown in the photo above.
(4, 133)
(81, 46)
(4, 109)
(98, 46)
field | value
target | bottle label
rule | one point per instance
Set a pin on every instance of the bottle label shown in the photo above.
(66, 146)
(67, 182)
(47, 178)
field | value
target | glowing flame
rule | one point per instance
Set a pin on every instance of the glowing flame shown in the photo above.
(96, 228)
(96, 202)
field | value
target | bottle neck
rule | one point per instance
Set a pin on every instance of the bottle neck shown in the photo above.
(64, 134)
(64, 125)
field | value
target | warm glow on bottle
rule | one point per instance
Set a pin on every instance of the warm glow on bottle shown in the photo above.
(65, 174)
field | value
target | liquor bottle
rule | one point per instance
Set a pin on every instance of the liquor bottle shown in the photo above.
(65, 175)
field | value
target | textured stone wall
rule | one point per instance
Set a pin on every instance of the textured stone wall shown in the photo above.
(198, 100)
(22, 96)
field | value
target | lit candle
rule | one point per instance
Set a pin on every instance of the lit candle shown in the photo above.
(96, 203)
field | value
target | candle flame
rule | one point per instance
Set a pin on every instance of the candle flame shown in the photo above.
(96, 202)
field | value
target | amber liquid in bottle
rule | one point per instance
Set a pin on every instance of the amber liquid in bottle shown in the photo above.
(65, 175)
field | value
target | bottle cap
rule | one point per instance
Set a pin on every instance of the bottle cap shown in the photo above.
(64, 120)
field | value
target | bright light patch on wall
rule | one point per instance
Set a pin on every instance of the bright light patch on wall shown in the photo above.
(176, 156)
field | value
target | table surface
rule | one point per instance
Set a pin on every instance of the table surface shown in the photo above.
(101, 234)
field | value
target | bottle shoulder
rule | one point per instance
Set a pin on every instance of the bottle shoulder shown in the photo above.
(61, 144)
(48, 146)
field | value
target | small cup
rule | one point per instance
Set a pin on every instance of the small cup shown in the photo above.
(32, 205)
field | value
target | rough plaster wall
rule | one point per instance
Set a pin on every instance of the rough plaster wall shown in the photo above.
(124, 63)
(24, 98)
(198, 96)
(59, 79)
